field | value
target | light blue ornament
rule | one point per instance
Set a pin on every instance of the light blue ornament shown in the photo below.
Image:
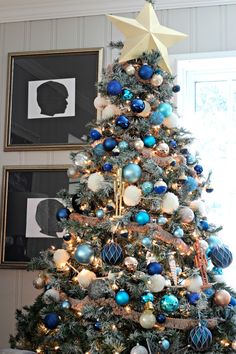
(84, 253)
(191, 159)
(147, 187)
(160, 187)
(217, 271)
(99, 150)
(132, 172)
(122, 298)
(214, 241)
(165, 109)
(156, 118)
(162, 220)
(200, 338)
(208, 252)
(169, 303)
(149, 141)
(165, 344)
(191, 184)
(147, 242)
(147, 297)
(142, 217)
(178, 232)
(100, 213)
(66, 305)
(127, 95)
(123, 145)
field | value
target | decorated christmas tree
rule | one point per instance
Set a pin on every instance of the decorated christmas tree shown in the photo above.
(140, 264)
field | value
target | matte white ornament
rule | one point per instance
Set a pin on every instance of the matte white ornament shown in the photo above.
(95, 182)
(199, 205)
(139, 144)
(100, 102)
(170, 203)
(194, 283)
(186, 214)
(85, 278)
(110, 111)
(139, 349)
(156, 283)
(132, 195)
(145, 113)
(147, 320)
(50, 296)
(60, 258)
(172, 121)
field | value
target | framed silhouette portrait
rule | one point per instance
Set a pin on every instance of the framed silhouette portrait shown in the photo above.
(50, 98)
(29, 206)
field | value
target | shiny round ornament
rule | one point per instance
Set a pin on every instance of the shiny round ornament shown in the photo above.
(214, 241)
(95, 182)
(132, 173)
(178, 232)
(146, 72)
(221, 256)
(186, 214)
(147, 109)
(99, 150)
(100, 102)
(97, 326)
(203, 225)
(198, 169)
(209, 188)
(200, 338)
(100, 213)
(107, 167)
(147, 187)
(114, 88)
(95, 134)
(71, 172)
(154, 268)
(156, 80)
(165, 344)
(147, 242)
(39, 282)
(232, 302)
(84, 253)
(122, 122)
(191, 184)
(139, 144)
(138, 349)
(81, 159)
(51, 320)
(126, 95)
(156, 118)
(130, 70)
(194, 283)
(172, 121)
(123, 145)
(193, 298)
(191, 159)
(170, 203)
(176, 88)
(132, 196)
(169, 303)
(156, 283)
(209, 292)
(50, 296)
(109, 144)
(122, 298)
(147, 297)
(163, 149)
(137, 105)
(147, 320)
(161, 318)
(161, 220)
(160, 187)
(63, 214)
(217, 271)
(116, 151)
(131, 263)
(112, 253)
(149, 141)
(173, 144)
(85, 278)
(66, 305)
(142, 217)
(165, 109)
(60, 258)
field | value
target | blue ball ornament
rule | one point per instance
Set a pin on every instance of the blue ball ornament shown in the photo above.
(146, 72)
(147, 297)
(169, 303)
(98, 326)
(232, 302)
(200, 338)
(66, 305)
(147, 242)
(99, 150)
(193, 298)
(191, 159)
(107, 167)
(198, 169)
(161, 318)
(217, 271)
(178, 232)
(51, 320)
(147, 187)
(100, 213)
(208, 252)
(109, 144)
(165, 344)
(149, 141)
(142, 217)
(221, 256)
(191, 184)
(156, 118)
(84, 253)
(63, 214)
(137, 105)
(173, 144)
(154, 268)
(122, 298)
(67, 237)
(123, 145)
(165, 109)
(132, 172)
(203, 225)
(162, 220)
(209, 189)
(95, 134)
(176, 88)
(122, 122)
(114, 88)
(127, 95)
(209, 292)
(160, 187)
(214, 241)
(112, 254)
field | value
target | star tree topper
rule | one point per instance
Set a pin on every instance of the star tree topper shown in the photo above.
(145, 33)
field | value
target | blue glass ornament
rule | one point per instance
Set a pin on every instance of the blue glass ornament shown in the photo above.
(162, 220)
(137, 105)
(114, 88)
(209, 292)
(63, 214)
(107, 167)
(191, 159)
(214, 241)
(154, 268)
(67, 237)
(147, 187)
(178, 232)
(217, 271)
(232, 302)
(221, 256)
(173, 144)
(209, 189)
(156, 118)
(95, 134)
(169, 303)
(132, 172)
(66, 305)
(203, 225)
(159, 72)
(127, 95)
(142, 217)
(98, 326)
(122, 298)
(146, 72)
(200, 338)
(149, 141)
(123, 145)
(51, 320)
(160, 187)
(191, 184)
(109, 144)
(193, 298)
(147, 297)
(165, 109)
(161, 318)
(208, 252)
(99, 150)
(185, 152)
(173, 163)
(84, 253)
(198, 169)
(122, 121)
(100, 213)
(147, 242)
(112, 253)
(176, 88)
(165, 344)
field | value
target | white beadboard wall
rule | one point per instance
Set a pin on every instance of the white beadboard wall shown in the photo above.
(209, 28)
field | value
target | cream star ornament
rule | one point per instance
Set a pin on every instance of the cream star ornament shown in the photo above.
(144, 34)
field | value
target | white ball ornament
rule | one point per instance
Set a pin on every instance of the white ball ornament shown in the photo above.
(186, 214)
(81, 159)
(147, 320)
(139, 349)
(199, 206)
(163, 149)
(130, 70)
(194, 283)
(156, 80)
(156, 283)
(110, 111)
(60, 258)
(85, 278)
(204, 245)
(170, 203)
(50, 296)
(95, 182)
(139, 144)
(100, 102)
(145, 113)
(132, 196)
(171, 121)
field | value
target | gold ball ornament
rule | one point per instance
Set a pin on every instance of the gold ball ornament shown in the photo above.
(39, 282)
(233, 345)
(131, 263)
(222, 298)
(130, 70)
(163, 150)
(156, 80)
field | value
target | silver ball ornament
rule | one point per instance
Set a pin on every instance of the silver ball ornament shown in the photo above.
(131, 263)
(130, 70)
(39, 282)
(163, 149)
(139, 144)
(139, 349)
(157, 80)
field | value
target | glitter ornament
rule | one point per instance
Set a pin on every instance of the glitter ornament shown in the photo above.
(147, 297)
(169, 303)
(156, 118)
(95, 182)
(132, 196)
(147, 187)
(139, 349)
(138, 144)
(81, 159)
(170, 203)
(50, 296)
(131, 263)
(191, 184)
(127, 95)
(99, 150)
(200, 338)
(123, 145)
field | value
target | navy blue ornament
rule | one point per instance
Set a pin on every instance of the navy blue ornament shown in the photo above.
(209, 189)
(200, 338)
(198, 169)
(221, 256)
(232, 302)
(137, 105)
(203, 225)
(67, 237)
(123, 145)
(161, 318)
(63, 214)
(132, 172)
(147, 187)
(66, 305)
(154, 268)
(149, 141)
(98, 326)
(160, 187)
(107, 167)
(191, 184)
(127, 95)
(173, 144)
(147, 242)
(112, 253)
(122, 298)
(95, 134)
(176, 88)
(109, 144)
(146, 72)
(217, 271)
(169, 303)
(165, 109)
(142, 217)
(114, 88)
(51, 320)
(165, 344)
(156, 118)
(122, 121)
(100, 213)
(147, 297)
(84, 253)
(99, 150)
(193, 298)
